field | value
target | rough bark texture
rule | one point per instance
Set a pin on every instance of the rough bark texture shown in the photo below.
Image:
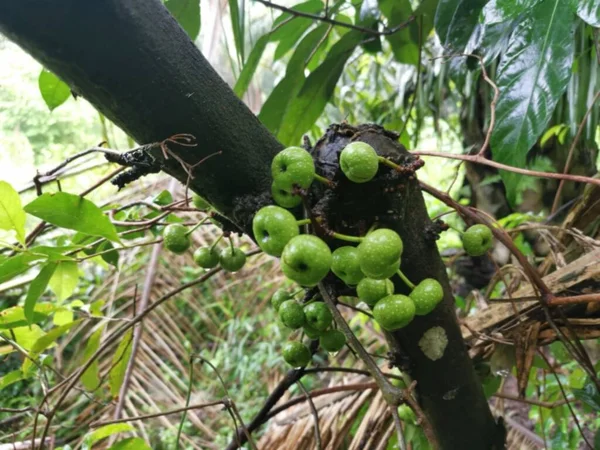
(135, 64)
(448, 388)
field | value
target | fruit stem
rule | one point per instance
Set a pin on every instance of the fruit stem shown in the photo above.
(409, 283)
(303, 222)
(373, 227)
(297, 292)
(345, 237)
(323, 180)
(215, 243)
(231, 244)
(197, 225)
(388, 163)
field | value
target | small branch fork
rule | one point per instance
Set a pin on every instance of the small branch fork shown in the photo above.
(326, 19)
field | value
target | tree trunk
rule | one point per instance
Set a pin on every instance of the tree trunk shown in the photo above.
(134, 63)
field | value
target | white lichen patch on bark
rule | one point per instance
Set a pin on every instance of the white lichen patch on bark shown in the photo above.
(434, 342)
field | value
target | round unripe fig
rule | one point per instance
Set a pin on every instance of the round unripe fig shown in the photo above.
(345, 264)
(371, 291)
(379, 253)
(291, 314)
(394, 312)
(332, 340)
(293, 167)
(206, 257)
(318, 316)
(426, 295)
(477, 240)
(284, 197)
(296, 354)
(176, 239)
(273, 227)
(280, 296)
(232, 259)
(200, 203)
(306, 259)
(359, 162)
(311, 333)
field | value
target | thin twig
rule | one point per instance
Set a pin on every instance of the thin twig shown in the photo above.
(315, 414)
(398, 426)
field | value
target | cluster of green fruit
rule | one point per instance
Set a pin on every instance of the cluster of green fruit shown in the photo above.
(176, 238)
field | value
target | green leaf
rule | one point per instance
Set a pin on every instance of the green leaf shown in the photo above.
(455, 21)
(111, 257)
(275, 107)
(64, 280)
(25, 336)
(106, 431)
(405, 49)
(532, 75)
(589, 395)
(51, 336)
(119, 363)
(90, 378)
(72, 212)
(497, 11)
(62, 316)
(304, 110)
(15, 317)
(16, 265)
(589, 11)
(163, 198)
(187, 13)
(250, 66)
(54, 91)
(597, 440)
(10, 378)
(237, 25)
(12, 216)
(135, 443)
(37, 288)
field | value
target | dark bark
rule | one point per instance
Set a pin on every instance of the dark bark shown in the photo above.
(135, 64)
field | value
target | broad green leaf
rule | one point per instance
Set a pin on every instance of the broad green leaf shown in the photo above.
(119, 363)
(293, 31)
(64, 280)
(237, 25)
(90, 378)
(455, 20)
(243, 81)
(275, 107)
(12, 216)
(106, 431)
(532, 75)
(37, 288)
(597, 440)
(16, 265)
(72, 212)
(497, 11)
(25, 336)
(62, 316)
(51, 336)
(54, 91)
(304, 110)
(10, 378)
(134, 443)
(589, 11)
(589, 395)
(405, 49)
(163, 198)
(187, 13)
(111, 257)
(15, 317)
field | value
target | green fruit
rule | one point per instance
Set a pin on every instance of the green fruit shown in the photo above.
(311, 332)
(200, 203)
(176, 239)
(296, 354)
(318, 316)
(332, 340)
(406, 414)
(345, 264)
(291, 314)
(232, 259)
(426, 295)
(206, 257)
(359, 162)
(306, 259)
(379, 253)
(284, 198)
(394, 312)
(371, 291)
(280, 296)
(293, 167)
(477, 240)
(273, 227)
